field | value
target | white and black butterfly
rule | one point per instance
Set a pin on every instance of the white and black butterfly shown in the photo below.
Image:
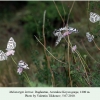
(2, 56)
(22, 64)
(89, 37)
(59, 33)
(11, 44)
(94, 17)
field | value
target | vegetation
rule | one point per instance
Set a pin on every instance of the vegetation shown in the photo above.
(32, 25)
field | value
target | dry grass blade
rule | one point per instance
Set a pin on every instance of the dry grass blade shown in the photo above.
(48, 62)
(49, 51)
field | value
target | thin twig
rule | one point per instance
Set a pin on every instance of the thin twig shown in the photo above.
(49, 52)
(13, 60)
(27, 78)
(64, 12)
(83, 67)
(96, 45)
(69, 44)
(69, 13)
(88, 17)
(84, 61)
(53, 80)
(59, 13)
(69, 63)
(89, 53)
(85, 79)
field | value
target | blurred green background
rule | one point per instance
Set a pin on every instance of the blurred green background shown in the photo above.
(24, 19)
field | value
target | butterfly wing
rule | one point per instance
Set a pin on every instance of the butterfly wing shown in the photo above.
(11, 44)
(56, 32)
(63, 29)
(58, 39)
(71, 29)
(94, 17)
(2, 56)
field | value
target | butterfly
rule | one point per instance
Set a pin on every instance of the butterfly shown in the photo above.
(2, 56)
(62, 32)
(94, 17)
(22, 64)
(11, 44)
(89, 37)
